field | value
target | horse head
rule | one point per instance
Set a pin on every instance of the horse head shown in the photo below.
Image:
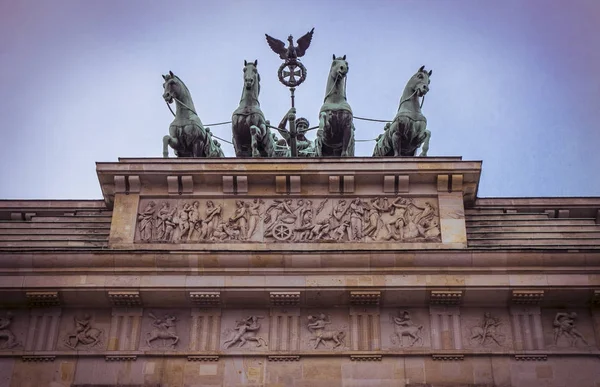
(339, 67)
(251, 75)
(419, 83)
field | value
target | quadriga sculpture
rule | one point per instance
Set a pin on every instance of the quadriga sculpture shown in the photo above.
(408, 130)
(187, 136)
(251, 135)
(335, 136)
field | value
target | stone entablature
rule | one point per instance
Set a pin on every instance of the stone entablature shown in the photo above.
(473, 306)
(364, 204)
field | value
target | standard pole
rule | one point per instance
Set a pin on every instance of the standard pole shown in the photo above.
(292, 122)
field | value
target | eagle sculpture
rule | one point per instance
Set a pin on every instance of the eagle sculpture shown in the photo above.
(291, 52)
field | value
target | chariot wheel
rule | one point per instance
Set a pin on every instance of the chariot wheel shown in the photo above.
(282, 232)
(292, 73)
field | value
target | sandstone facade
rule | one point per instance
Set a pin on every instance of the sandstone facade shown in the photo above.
(331, 272)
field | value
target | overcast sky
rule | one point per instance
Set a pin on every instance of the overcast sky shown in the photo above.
(515, 83)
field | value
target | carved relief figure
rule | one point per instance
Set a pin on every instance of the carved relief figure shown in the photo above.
(488, 332)
(357, 214)
(564, 325)
(212, 220)
(245, 330)
(254, 216)
(316, 325)
(404, 326)
(163, 216)
(145, 221)
(84, 333)
(376, 207)
(163, 329)
(240, 219)
(6, 333)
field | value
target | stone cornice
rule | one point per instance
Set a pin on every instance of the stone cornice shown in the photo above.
(203, 173)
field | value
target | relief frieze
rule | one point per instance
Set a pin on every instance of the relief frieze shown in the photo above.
(375, 219)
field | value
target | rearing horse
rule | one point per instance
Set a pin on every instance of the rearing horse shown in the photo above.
(251, 135)
(408, 130)
(187, 136)
(335, 136)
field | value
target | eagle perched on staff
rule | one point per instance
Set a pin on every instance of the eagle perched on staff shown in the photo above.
(291, 52)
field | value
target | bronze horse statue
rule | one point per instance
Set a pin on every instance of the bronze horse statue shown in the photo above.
(251, 134)
(408, 130)
(187, 136)
(335, 136)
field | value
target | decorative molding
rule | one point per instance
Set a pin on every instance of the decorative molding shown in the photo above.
(203, 358)
(446, 297)
(206, 299)
(120, 357)
(284, 357)
(42, 299)
(126, 299)
(531, 357)
(285, 298)
(358, 297)
(366, 357)
(38, 358)
(527, 297)
(448, 357)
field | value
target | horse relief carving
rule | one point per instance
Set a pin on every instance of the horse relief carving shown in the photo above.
(488, 332)
(84, 334)
(163, 329)
(564, 327)
(317, 325)
(405, 327)
(6, 334)
(289, 220)
(245, 330)
(407, 132)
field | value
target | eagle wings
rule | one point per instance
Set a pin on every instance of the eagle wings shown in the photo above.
(291, 52)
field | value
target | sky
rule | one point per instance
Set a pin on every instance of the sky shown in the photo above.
(516, 83)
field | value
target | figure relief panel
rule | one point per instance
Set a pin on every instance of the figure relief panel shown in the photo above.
(13, 330)
(486, 329)
(245, 330)
(84, 330)
(568, 328)
(289, 220)
(165, 329)
(324, 329)
(404, 329)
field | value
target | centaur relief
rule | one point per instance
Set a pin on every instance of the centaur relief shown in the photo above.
(372, 219)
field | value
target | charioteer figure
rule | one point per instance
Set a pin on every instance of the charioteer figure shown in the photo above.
(296, 134)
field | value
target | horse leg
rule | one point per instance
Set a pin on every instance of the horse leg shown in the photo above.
(425, 146)
(395, 139)
(336, 341)
(166, 142)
